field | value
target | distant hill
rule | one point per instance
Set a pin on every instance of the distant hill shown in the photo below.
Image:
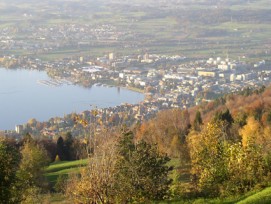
(247, 102)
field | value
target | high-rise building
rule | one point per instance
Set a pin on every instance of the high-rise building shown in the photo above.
(111, 56)
(19, 129)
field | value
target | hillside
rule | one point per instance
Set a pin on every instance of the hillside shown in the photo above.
(262, 197)
(63, 168)
(217, 152)
(246, 102)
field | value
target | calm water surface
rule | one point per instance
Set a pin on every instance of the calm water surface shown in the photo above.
(23, 98)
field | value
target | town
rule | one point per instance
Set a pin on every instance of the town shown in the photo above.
(175, 55)
(45, 39)
(142, 101)
(166, 81)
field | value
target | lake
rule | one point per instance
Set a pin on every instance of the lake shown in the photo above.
(26, 94)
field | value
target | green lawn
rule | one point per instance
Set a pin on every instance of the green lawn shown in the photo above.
(63, 167)
(262, 197)
(66, 167)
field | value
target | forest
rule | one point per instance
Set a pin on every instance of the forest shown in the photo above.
(217, 150)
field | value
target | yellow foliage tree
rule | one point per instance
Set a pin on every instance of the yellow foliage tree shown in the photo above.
(251, 133)
(207, 152)
(168, 130)
(96, 181)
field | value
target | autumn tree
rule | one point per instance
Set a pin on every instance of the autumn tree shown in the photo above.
(120, 172)
(252, 133)
(168, 130)
(240, 119)
(223, 167)
(245, 168)
(30, 176)
(141, 171)
(95, 183)
(266, 140)
(9, 162)
(207, 152)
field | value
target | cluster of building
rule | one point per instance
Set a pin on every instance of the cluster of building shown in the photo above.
(43, 39)
(178, 84)
(124, 114)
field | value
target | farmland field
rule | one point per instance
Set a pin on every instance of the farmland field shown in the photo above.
(192, 28)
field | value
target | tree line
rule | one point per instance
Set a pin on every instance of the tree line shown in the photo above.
(223, 146)
(21, 172)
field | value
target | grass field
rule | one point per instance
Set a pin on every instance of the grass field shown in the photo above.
(66, 167)
(154, 28)
(262, 197)
(63, 167)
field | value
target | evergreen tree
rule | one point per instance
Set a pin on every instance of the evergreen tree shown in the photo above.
(60, 149)
(197, 121)
(68, 145)
(224, 116)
